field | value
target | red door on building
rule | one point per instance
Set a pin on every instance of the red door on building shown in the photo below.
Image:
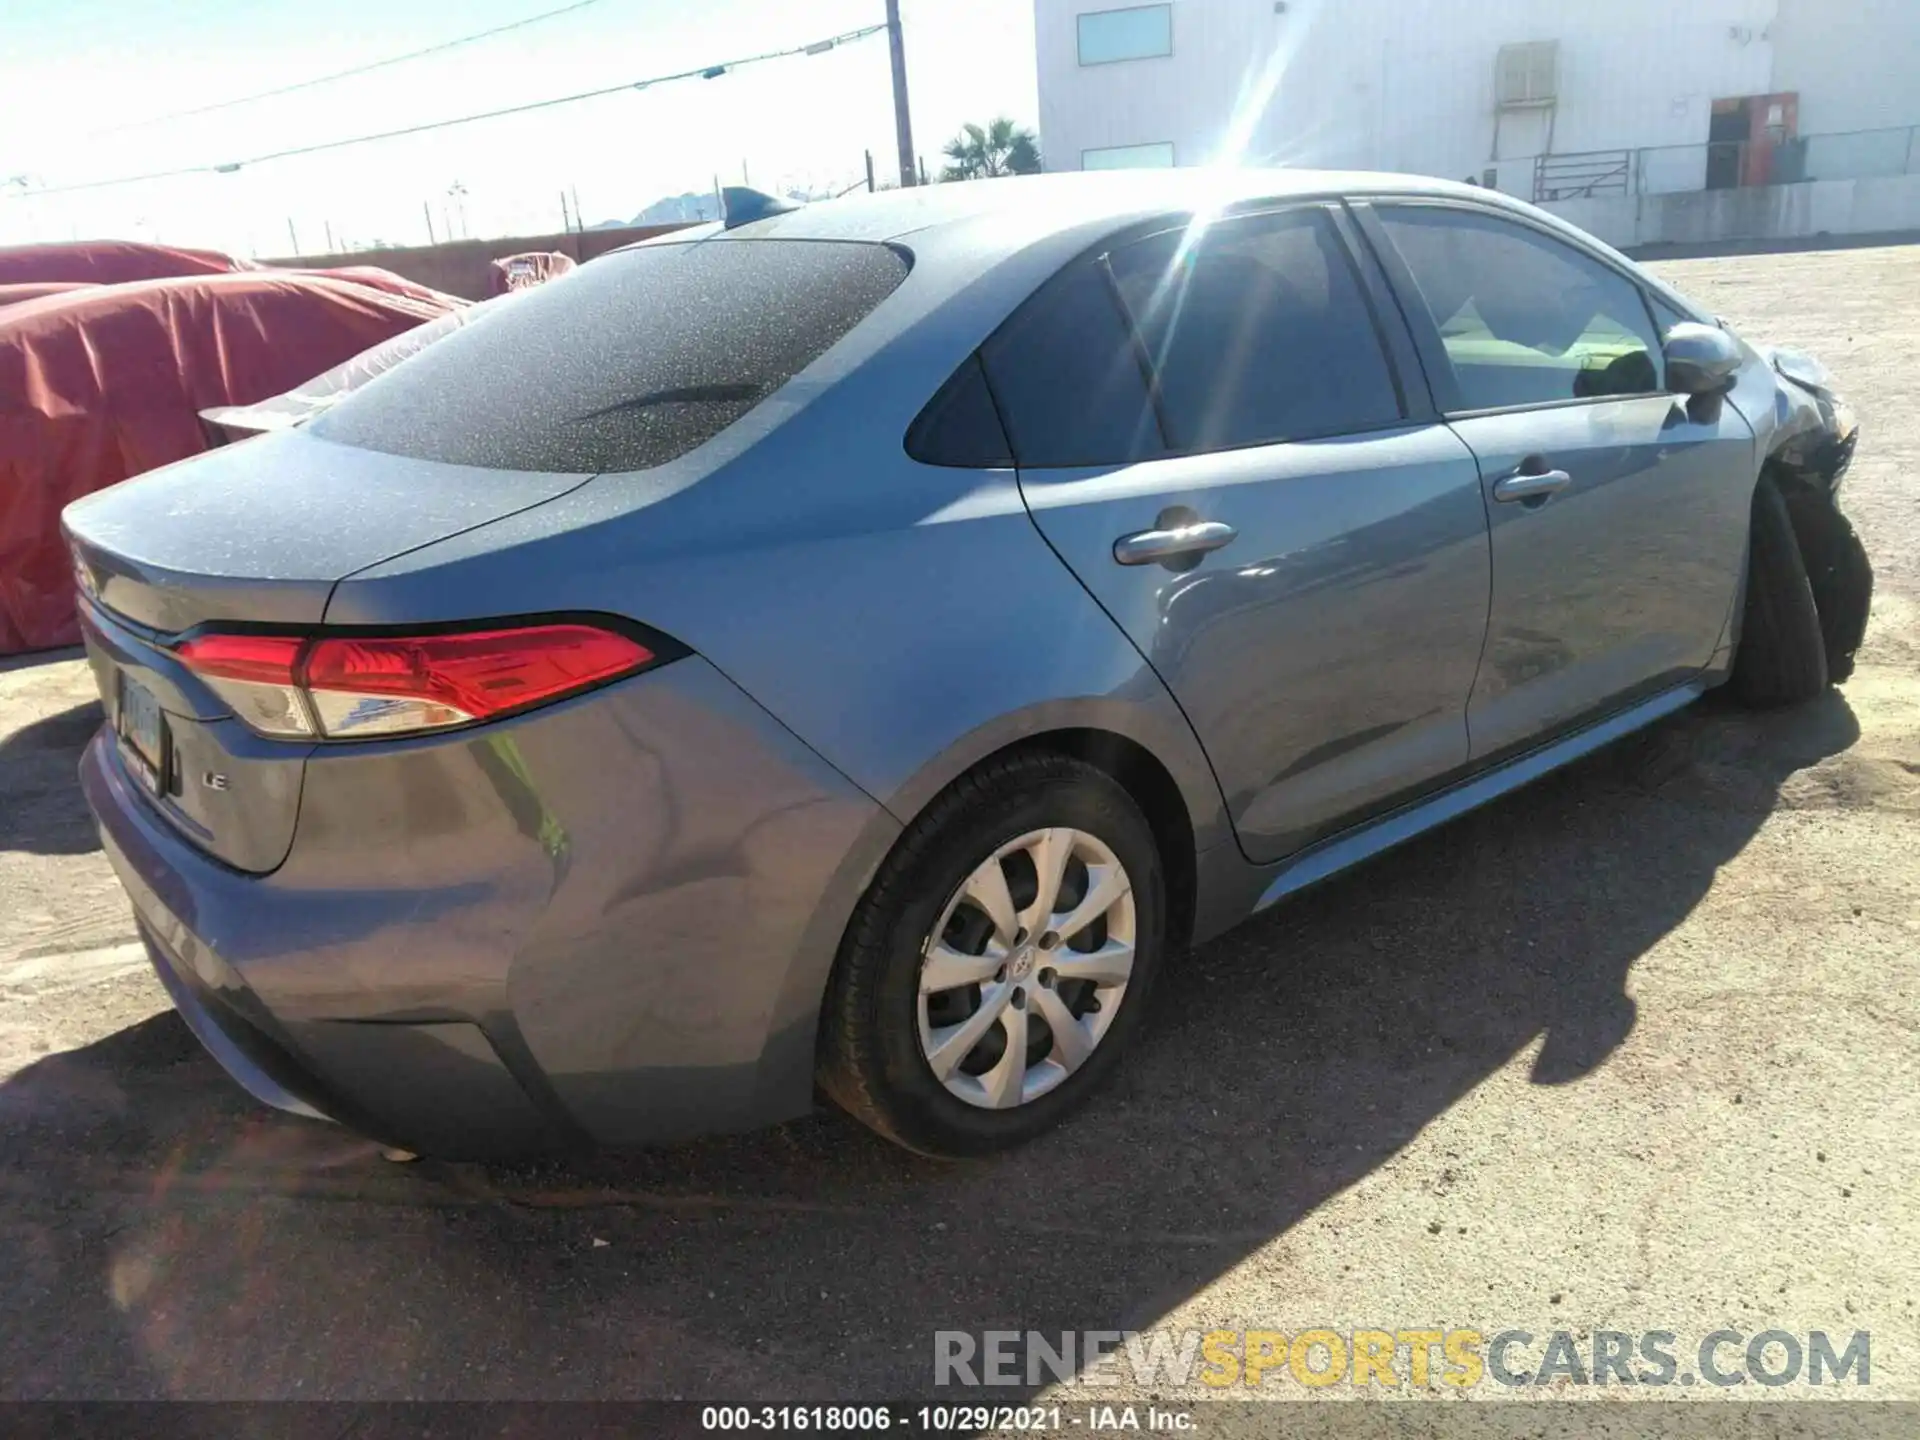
(1745, 136)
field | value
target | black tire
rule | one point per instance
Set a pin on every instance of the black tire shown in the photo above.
(1782, 659)
(871, 1061)
(1842, 579)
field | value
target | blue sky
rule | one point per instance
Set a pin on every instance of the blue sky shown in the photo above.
(70, 69)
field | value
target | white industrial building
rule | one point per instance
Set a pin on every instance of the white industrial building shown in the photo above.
(1590, 102)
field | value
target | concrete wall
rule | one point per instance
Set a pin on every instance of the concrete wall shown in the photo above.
(1402, 84)
(463, 267)
(1761, 212)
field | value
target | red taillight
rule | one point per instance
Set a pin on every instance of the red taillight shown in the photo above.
(256, 659)
(350, 686)
(369, 686)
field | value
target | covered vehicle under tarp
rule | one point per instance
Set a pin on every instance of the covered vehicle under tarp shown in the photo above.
(39, 289)
(378, 279)
(110, 262)
(102, 384)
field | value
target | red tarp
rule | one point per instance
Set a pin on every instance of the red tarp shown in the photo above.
(35, 289)
(102, 384)
(378, 279)
(108, 262)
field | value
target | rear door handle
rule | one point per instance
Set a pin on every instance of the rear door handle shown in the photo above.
(1153, 547)
(1531, 487)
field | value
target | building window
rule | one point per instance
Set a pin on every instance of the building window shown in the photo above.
(1158, 156)
(1526, 74)
(1139, 33)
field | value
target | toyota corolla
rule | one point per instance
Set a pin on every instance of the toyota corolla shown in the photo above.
(858, 647)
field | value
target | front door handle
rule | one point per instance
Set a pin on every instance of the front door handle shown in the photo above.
(1155, 547)
(1531, 487)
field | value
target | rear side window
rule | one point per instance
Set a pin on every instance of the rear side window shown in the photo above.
(960, 426)
(1259, 332)
(1523, 318)
(627, 363)
(1066, 375)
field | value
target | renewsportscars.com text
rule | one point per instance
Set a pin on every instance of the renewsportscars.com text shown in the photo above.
(1230, 1360)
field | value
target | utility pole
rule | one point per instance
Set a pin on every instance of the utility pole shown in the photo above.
(426, 209)
(293, 235)
(902, 122)
(869, 172)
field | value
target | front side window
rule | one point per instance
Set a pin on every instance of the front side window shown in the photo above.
(1524, 319)
(1129, 157)
(1258, 332)
(1666, 314)
(1141, 32)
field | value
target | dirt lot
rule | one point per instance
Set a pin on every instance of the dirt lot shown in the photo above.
(1632, 1050)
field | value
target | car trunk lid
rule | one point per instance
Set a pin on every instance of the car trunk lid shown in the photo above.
(252, 534)
(261, 531)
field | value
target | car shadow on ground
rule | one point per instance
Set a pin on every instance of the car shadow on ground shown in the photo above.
(41, 809)
(163, 1236)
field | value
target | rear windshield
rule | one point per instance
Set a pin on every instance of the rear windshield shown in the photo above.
(628, 362)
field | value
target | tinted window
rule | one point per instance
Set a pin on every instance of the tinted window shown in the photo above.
(627, 363)
(1667, 316)
(1067, 378)
(1524, 319)
(1137, 33)
(1259, 332)
(960, 425)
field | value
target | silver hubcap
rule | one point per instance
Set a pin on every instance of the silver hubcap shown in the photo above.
(1025, 971)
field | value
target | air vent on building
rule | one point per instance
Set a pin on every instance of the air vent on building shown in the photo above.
(1527, 74)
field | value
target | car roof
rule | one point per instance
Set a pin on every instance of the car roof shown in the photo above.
(995, 218)
(1059, 201)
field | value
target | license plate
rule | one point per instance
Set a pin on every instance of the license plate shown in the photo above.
(143, 733)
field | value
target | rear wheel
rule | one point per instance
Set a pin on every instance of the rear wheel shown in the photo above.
(1000, 961)
(1782, 657)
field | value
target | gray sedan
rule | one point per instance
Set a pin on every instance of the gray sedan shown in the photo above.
(859, 646)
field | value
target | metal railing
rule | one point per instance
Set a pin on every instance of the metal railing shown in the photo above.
(1728, 164)
(1594, 172)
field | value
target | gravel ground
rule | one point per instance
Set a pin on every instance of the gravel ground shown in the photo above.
(1631, 1050)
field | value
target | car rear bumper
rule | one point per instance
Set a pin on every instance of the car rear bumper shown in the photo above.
(608, 922)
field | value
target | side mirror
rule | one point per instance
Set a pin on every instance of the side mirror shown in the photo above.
(1700, 359)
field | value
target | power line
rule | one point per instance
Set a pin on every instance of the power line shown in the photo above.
(817, 47)
(347, 74)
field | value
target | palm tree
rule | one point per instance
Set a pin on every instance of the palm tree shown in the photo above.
(1001, 148)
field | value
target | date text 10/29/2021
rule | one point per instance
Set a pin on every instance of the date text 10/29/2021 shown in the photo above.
(946, 1419)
